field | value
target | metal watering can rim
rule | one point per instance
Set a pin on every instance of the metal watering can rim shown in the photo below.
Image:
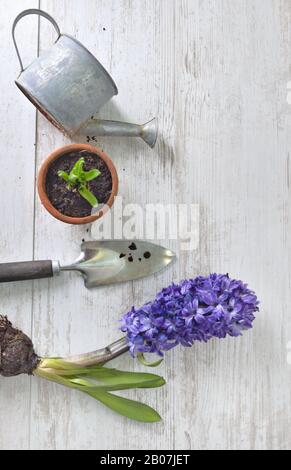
(36, 11)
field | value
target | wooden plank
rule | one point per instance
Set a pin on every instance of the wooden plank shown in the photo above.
(17, 136)
(68, 318)
(233, 59)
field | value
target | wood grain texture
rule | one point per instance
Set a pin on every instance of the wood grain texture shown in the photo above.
(17, 136)
(215, 72)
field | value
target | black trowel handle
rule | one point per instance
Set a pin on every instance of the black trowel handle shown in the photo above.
(10, 272)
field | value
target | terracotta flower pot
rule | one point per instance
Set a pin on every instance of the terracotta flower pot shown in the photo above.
(41, 183)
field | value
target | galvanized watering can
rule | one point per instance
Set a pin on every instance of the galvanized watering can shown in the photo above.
(68, 85)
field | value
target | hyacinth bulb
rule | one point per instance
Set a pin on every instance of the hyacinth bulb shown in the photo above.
(17, 355)
(194, 310)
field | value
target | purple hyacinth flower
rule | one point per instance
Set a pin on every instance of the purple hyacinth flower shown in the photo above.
(194, 310)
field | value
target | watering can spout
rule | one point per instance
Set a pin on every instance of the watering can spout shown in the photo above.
(147, 132)
(150, 132)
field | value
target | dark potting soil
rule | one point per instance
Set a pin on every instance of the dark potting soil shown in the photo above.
(68, 201)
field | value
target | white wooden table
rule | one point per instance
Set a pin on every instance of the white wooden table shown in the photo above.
(216, 74)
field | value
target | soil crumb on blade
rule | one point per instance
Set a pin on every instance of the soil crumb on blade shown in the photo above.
(68, 201)
(17, 355)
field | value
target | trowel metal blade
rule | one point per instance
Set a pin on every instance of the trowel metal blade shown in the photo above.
(112, 261)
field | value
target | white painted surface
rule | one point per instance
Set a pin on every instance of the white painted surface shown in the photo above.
(216, 74)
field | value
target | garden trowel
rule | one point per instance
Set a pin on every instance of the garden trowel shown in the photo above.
(100, 263)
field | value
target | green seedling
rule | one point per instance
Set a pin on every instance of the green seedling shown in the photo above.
(79, 178)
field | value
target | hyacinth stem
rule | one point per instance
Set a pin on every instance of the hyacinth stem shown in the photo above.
(101, 356)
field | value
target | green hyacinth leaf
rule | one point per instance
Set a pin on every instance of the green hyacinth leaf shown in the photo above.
(77, 168)
(64, 175)
(130, 385)
(117, 377)
(90, 385)
(128, 408)
(86, 194)
(99, 381)
(104, 375)
(92, 174)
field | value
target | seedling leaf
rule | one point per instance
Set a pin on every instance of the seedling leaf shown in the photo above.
(79, 178)
(86, 194)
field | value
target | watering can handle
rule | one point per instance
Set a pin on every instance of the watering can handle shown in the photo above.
(32, 11)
